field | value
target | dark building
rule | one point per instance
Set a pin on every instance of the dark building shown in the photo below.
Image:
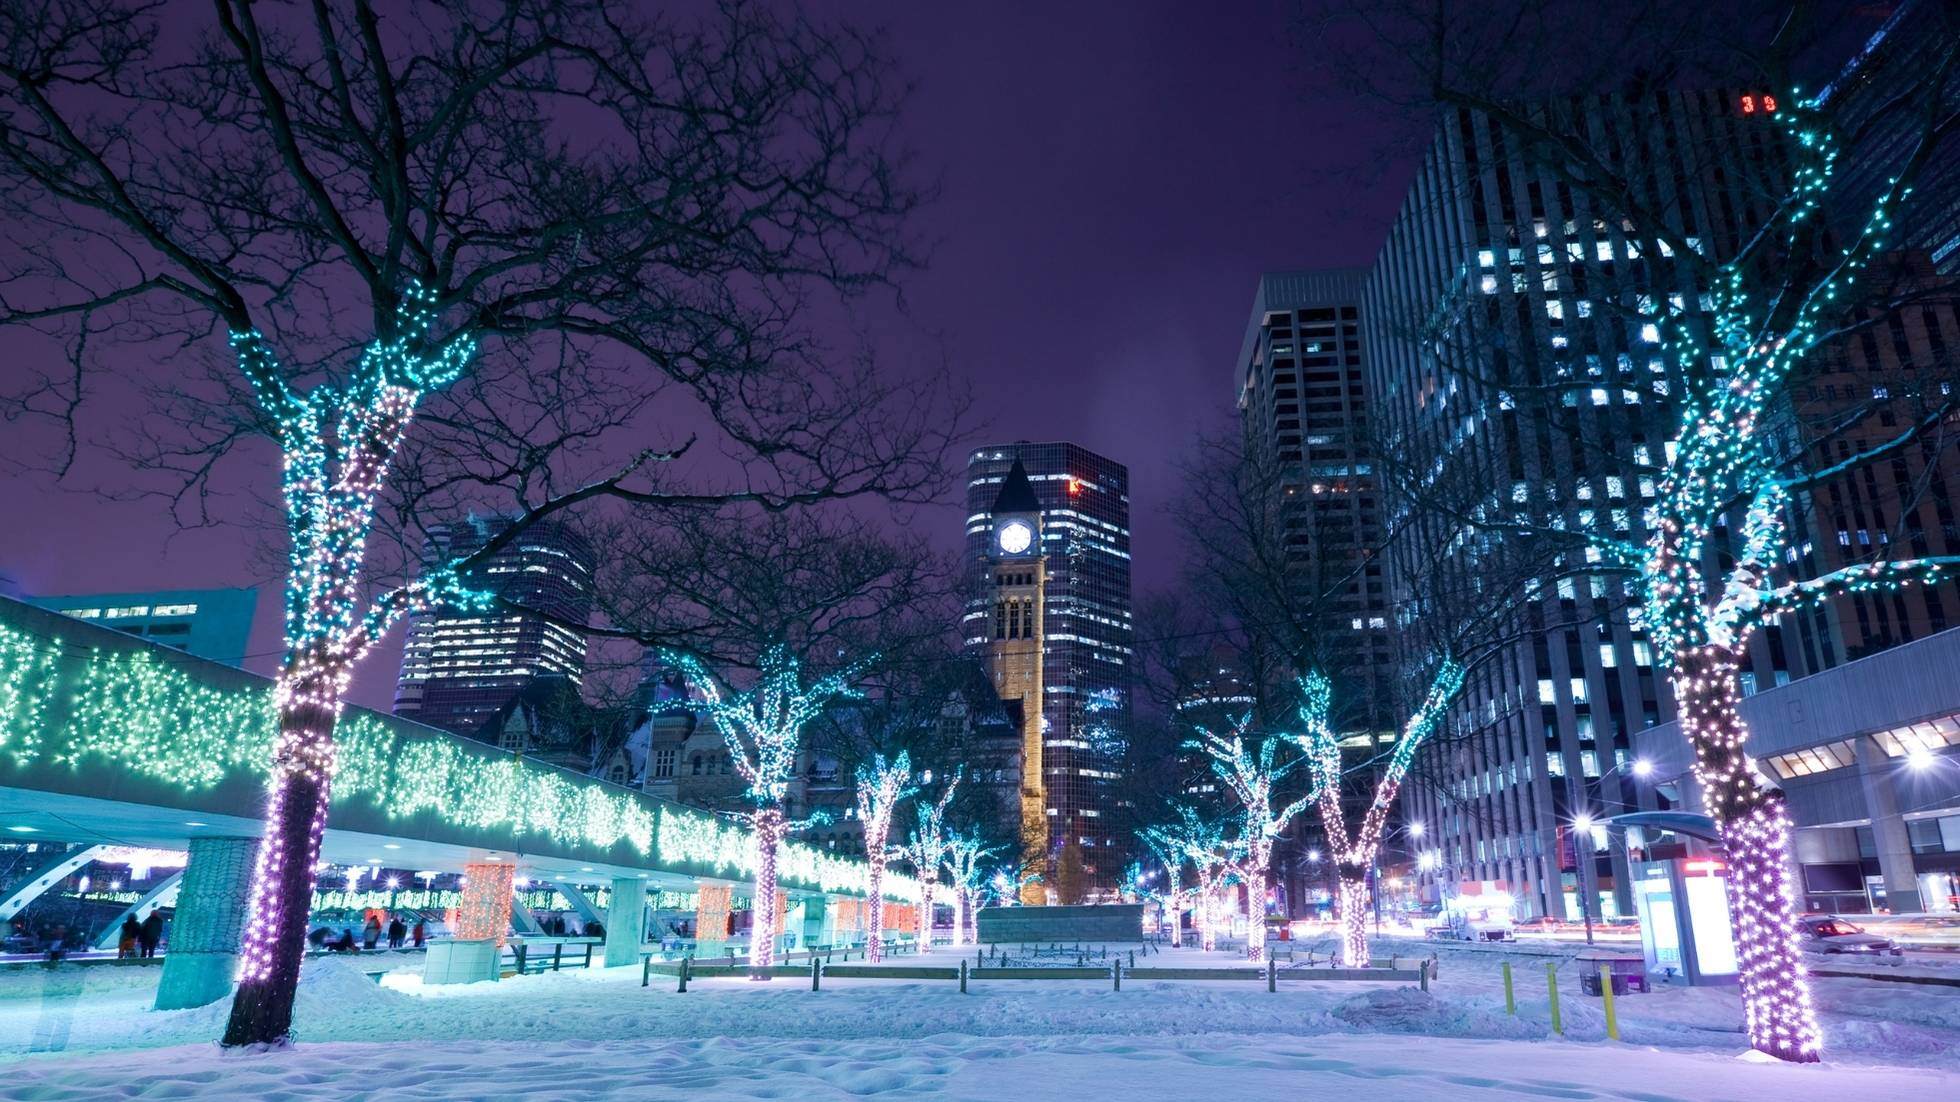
(209, 623)
(1048, 558)
(1499, 283)
(1879, 105)
(459, 667)
(1304, 410)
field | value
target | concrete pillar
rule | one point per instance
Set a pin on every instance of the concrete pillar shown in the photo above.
(209, 924)
(1877, 770)
(626, 921)
(827, 934)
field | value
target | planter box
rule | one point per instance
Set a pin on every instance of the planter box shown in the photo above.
(462, 960)
(1120, 922)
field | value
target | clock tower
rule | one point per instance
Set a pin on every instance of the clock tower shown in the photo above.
(1018, 588)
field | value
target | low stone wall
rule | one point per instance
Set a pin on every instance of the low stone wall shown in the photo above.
(1121, 922)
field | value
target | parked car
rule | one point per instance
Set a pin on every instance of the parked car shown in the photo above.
(1832, 935)
(1461, 926)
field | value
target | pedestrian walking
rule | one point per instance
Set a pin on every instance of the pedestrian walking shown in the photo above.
(371, 935)
(397, 933)
(151, 934)
(421, 932)
(126, 940)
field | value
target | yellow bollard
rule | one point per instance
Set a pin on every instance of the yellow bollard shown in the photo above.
(1551, 982)
(1606, 993)
(1510, 997)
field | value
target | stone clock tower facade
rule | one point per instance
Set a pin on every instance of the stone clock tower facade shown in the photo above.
(1018, 589)
(1048, 617)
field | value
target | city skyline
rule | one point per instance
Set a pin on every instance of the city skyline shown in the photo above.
(780, 465)
(980, 310)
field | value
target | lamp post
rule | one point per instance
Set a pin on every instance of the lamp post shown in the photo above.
(1582, 823)
(1583, 851)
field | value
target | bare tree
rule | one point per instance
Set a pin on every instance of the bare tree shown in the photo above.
(372, 206)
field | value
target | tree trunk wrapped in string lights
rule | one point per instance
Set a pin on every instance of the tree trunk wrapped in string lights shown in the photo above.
(1354, 853)
(1707, 583)
(964, 853)
(881, 785)
(1172, 857)
(1248, 769)
(339, 442)
(283, 182)
(763, 729)
(1190, 836)
(927, 851)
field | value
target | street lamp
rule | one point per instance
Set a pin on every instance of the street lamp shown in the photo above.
(1416, 829)
(1582, 823)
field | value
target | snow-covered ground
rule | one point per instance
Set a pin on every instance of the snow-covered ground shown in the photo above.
(87, 1034)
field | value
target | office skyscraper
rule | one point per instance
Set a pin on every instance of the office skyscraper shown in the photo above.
(1048, 612)
(459, 668)
(1304, 409)
(1303, 405)
(1500, 283)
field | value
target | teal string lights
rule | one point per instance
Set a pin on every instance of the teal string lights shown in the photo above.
(1248, 768)
(881, 786)
(1701, 607)
(135, 712)
(763, 729)
(926, 849)
(1207, 844)
(1354, 853)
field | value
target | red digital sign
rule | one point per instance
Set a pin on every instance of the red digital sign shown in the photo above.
(1753, 103)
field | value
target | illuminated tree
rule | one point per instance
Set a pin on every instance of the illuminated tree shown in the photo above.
(881, 785)
(528, 294)
(1171, 896)
(965, 850)
(1704, 595)
(1354, 853)
(763, 729)
(1212, 851)
(1140, 882)
(1246, 766)
(927, 851)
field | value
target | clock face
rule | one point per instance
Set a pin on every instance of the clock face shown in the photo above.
(1015, 537)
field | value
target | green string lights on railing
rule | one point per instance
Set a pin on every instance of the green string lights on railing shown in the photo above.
(138, 714)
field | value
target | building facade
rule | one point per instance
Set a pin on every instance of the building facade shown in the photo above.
(1049, 614)
(1880, 106)
(209, 623)
(1304, 411)
(1508, 319)
(460, 668)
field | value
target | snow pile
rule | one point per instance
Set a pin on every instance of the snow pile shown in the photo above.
(1410, 1010)
(1360, 1068)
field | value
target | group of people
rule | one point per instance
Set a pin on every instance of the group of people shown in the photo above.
(397, 932)
(140, 939)
(556, 926)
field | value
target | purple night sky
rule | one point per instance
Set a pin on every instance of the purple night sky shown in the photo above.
(1114, 179)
